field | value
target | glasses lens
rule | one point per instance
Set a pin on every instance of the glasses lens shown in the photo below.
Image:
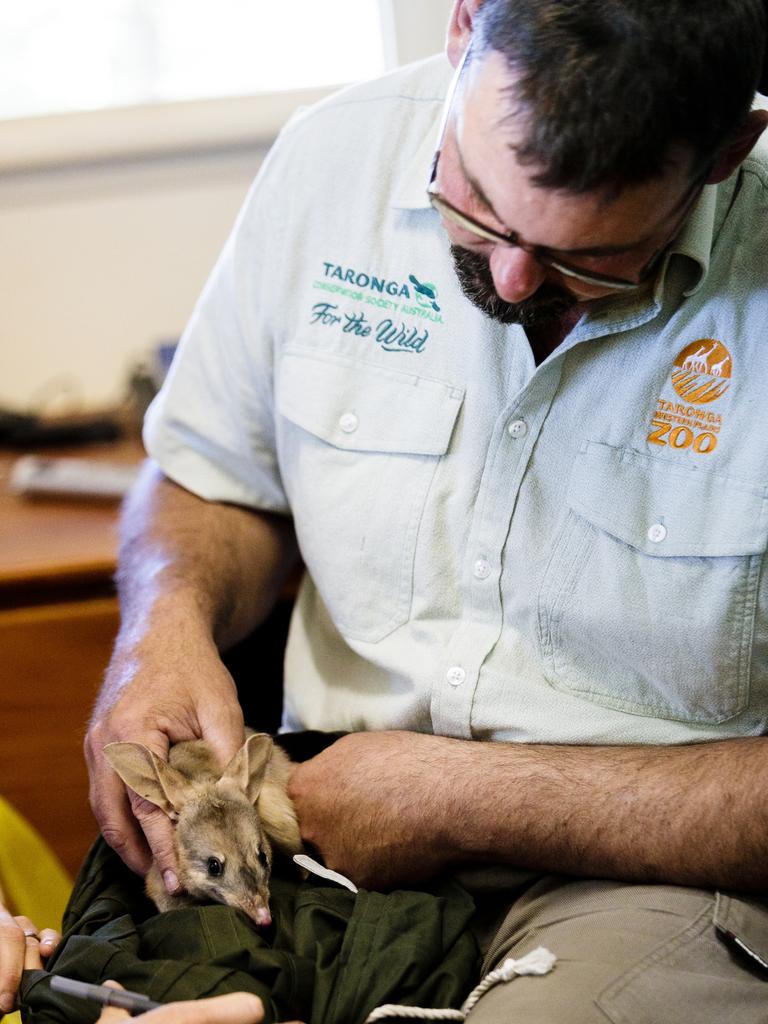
(464, 221)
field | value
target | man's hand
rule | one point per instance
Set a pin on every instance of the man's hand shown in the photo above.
(181, 693)
(194, 577)
(21, 947)
(378, 806)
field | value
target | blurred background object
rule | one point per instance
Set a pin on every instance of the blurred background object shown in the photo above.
(32, 878)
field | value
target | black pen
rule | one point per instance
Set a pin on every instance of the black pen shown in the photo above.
(134, 1002)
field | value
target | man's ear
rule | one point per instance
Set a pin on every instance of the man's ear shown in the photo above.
(248, 767)
(460, 28)
(149, 776)
(740, 146)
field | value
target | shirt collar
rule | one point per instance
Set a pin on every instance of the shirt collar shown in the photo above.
(697, 235)
(410, 191)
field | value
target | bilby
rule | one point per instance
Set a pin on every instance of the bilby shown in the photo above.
(226, 821)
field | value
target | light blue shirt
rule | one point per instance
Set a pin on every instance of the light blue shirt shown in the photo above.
(568, 553)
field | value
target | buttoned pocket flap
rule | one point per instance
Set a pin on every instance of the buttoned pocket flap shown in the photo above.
(666, 510)
(360, 407)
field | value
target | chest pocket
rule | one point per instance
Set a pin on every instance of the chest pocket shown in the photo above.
(358, 447)
(648, 601)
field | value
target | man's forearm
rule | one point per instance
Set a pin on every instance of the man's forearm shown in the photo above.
(179, 552)
(695, 815)
(392, 807)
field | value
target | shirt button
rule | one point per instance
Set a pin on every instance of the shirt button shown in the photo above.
(517, 429)
(349, 422)
(657, 533)
(456, 675)
(482, 569)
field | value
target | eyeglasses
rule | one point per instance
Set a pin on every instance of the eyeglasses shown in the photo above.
(546, 257)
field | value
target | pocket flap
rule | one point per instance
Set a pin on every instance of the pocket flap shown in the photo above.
(360, 407)
(666, 510)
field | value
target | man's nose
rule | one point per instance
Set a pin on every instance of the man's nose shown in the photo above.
(516, 274)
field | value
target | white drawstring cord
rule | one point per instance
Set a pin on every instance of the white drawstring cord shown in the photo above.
(539, 961)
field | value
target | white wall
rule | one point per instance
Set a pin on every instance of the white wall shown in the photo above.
(97, 266)
(99, 262)
(419, 27)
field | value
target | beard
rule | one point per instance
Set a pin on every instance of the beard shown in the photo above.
(550, 302)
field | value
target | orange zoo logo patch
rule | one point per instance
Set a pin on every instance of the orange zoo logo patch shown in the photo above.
(702, 371)
(701, 374)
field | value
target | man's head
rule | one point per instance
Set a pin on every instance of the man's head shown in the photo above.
(584, 130)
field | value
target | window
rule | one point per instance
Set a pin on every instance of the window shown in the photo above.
(96, 54)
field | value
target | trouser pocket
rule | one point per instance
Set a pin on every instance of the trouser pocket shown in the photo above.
(711, 972)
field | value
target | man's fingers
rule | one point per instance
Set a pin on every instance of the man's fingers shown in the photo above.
(158, 831)
(112, 810)
(135, 829)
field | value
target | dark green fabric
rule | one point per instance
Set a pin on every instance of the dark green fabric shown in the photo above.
(329, 957)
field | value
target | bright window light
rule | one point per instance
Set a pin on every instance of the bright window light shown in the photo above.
(91, 54)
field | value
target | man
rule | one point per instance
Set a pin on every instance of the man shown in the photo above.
(532, 508)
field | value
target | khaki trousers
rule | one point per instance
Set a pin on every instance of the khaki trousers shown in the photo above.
(629, 954)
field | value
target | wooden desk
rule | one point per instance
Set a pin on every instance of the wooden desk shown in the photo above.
(58, 619)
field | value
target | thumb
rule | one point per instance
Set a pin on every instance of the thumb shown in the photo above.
(112, 1014)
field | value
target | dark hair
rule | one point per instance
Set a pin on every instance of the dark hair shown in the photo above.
(608, 88)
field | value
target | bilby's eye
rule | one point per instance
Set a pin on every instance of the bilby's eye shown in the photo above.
(215, 867)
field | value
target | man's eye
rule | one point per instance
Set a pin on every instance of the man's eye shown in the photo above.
(215, 867)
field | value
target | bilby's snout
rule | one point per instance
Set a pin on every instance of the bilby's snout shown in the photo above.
(262, 917)
(258, 910)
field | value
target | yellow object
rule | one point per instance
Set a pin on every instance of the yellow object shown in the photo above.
(32, 880)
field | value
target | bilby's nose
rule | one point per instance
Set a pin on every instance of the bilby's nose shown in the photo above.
(262, 917)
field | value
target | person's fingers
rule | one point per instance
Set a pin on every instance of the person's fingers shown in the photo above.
(33, 961)
(235, 1008)
(112, 1013)
(49, 940)
(12, 951)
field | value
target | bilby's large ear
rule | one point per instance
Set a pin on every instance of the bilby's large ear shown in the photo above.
(248, 766)
(149, 776)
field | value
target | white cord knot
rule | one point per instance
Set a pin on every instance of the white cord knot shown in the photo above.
(538, 961)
